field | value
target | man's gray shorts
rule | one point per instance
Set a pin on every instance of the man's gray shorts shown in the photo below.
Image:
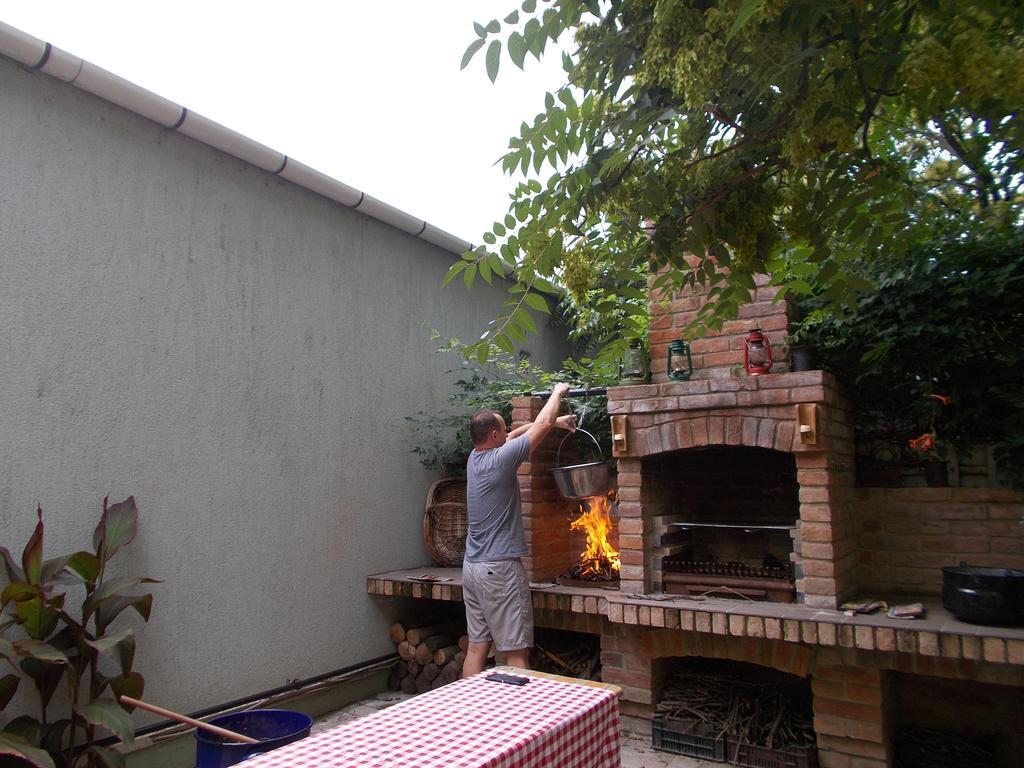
(498, 604)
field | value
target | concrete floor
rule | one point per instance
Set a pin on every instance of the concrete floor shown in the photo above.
(636, 735)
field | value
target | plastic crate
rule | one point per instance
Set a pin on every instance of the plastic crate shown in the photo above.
(747, 755)
(686, 737)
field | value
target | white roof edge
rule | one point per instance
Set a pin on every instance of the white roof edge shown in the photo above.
(40, 55)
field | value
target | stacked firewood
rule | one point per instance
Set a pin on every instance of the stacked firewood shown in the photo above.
(429, 656)
(761, 714)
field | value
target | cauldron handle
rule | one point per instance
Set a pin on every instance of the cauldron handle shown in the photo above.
(558, 454)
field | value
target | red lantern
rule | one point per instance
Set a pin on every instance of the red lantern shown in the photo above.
(757, 353)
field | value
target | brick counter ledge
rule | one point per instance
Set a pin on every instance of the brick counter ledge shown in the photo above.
(937, 637)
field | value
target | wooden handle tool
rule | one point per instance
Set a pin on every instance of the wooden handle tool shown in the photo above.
(222, 732)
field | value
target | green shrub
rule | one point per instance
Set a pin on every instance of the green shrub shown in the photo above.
(947, 319)
(441, 440)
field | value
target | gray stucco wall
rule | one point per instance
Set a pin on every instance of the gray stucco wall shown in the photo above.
(235, 351)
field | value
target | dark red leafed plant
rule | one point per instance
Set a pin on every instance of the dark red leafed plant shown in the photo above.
(75, 653)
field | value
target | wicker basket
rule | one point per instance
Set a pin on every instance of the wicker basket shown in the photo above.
(445, 523)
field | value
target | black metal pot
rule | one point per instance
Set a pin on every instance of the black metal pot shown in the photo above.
(983, 595)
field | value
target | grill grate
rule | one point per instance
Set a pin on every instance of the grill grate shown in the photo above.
(740, 570)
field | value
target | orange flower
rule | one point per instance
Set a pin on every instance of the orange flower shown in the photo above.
(923, 443)
(944, 399)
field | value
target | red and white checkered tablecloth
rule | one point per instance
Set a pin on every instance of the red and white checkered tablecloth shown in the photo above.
(472, 723)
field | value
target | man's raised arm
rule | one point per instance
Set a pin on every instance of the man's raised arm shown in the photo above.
(538, 430)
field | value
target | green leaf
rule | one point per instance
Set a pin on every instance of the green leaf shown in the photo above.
(8, 686)
(117, 528)
(747, 9)
(108, 644)
(107, 713)
(524, 320)
(453, 271)
(469, 275)
(515, 332)
(120, 585)
(529, 5)
(19, 749)
(489, 238)
(14, 573)
(18, 591)
(537, 302)
(510, 221)
(493, 59)
(39, 618)
(493, 26)
(497, 265)
(467, 57)
(55, 571)
(485, 270)
(512, 18)
(479, 29)
(505, 343)
(517, 49)
(32, 556)
(130, 684)
(40, 651)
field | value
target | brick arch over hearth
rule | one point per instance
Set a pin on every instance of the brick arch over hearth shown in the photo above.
(792, 659)
(775, 431)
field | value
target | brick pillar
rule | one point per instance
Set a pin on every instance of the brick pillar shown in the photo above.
(826, 539)
(626, 662)
(634, 536)
(545, 512)
(849, 716)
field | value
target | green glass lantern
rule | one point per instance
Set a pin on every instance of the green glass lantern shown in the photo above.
(680, 364)
(634, 367)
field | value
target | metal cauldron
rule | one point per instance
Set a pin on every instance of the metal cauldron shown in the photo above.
(580, 481)
(982, 595)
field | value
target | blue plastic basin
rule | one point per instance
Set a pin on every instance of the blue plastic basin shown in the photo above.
(273, 727)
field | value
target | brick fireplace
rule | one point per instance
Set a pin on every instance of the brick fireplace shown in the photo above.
(717, 471)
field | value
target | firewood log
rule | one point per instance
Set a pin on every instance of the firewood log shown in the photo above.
(397, 633)
(422, 683)
(453, 672)
(460, 658)
(464, 643)
(423, 654)
(438, 641)
(443, 655)
(431, 670)
(408, 684)
(406, 650)
(412, 668)
(419, 634)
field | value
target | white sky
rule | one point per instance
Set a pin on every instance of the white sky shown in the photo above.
(367, 92)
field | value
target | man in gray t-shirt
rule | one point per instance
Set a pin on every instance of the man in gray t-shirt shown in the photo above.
(495, 589)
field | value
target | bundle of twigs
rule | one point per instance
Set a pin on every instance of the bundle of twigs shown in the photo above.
(581, 661)
(761, 714)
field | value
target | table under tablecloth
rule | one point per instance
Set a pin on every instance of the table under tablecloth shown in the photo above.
(472, 723)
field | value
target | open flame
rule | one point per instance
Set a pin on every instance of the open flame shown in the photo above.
(599, 561)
